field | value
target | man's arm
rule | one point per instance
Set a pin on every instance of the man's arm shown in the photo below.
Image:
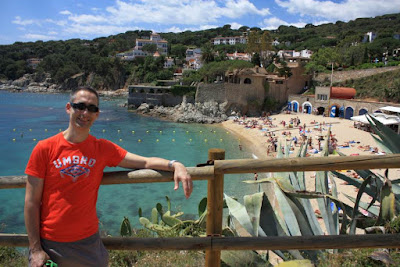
(133, 161)
(33, 198)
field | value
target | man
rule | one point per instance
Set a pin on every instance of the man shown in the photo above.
(64, 175)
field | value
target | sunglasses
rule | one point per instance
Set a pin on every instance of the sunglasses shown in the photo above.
(83, 106)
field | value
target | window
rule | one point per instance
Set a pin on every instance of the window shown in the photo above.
(247, 81)
(322, 97)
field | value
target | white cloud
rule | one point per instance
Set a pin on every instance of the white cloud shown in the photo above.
(274, 23)
(65, 12)
(88, 19)
(97, 29)
(235, 25)
(181, 12)
(345, 10)
(19, 21)
(31, 36)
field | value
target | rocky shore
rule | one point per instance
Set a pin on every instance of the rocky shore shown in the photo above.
(208, 112)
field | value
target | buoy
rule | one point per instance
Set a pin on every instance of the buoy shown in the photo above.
(34, 139)
(120, 140)
(173, 131)
(190, 139)
(201, 131)
(187, 132)
(227, 132)
(157, 140)
(205, 140)
(214, 131)
(133, 132)
(147, 131)
(13, 139)
(173, 140)
(139, 140)
(14, 129)
(119, 130)
(45, 130)
(104, 130)
(30, 130)
(59, 130)
(220, 140)
(160, 131)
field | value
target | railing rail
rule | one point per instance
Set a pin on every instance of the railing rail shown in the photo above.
(214, 243)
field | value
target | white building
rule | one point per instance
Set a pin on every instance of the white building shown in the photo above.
(162, 45)
(369, 37)
(229, 40)
(239, 56)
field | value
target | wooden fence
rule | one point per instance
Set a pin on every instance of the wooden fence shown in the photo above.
(214, 173)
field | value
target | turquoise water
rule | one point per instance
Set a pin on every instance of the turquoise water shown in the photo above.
(26, 118)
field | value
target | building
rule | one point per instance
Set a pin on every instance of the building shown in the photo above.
(162, 45)
(305, 53)
(334, 102)
(388, 115)
(193, 59)
(239, 56)
(169, 62)
(229, 40)
(33, 62)
(369, 37)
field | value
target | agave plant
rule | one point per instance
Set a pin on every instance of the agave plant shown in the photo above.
(285, 209)
(378, 187)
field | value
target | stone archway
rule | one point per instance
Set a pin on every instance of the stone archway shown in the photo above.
(320, 110)
(295, 106)
(349, 113)
(247, 81)
(363, 111)
(307, 107)
(334, 111)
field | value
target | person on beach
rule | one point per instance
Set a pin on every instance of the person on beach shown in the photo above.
(64, 174)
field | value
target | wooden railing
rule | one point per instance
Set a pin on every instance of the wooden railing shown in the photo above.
(214, 243)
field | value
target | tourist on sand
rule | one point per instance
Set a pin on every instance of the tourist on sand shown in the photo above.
(64, 175)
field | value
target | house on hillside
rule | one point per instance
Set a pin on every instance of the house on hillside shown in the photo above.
(193, 58)
(162, 45)
(369, 37)
(239, 56)
(229, 40)
(33, 62)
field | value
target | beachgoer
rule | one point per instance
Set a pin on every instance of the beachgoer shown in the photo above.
(255, 176)
(240, 147)
(64, 175)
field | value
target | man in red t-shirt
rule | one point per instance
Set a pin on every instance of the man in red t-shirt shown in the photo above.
(64, 175)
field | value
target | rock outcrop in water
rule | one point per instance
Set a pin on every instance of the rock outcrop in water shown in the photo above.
(208, 112)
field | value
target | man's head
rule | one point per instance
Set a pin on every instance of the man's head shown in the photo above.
(83, 108)
(84, 88)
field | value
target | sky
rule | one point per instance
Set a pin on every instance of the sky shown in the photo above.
(32, 20)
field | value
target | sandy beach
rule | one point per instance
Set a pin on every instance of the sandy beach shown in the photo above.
(350, 141)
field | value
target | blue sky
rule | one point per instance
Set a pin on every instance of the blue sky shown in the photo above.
(32, 20)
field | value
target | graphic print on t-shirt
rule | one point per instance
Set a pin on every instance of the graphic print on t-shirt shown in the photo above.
(75, 171)
(73, 166)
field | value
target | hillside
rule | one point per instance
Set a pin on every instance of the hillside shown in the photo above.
(381, 86)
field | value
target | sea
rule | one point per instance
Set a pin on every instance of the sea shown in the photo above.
(26, 118)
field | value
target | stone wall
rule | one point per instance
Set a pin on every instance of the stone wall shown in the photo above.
(166, 100)
(246, 98)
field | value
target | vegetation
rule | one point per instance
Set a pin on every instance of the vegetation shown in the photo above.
(383, 86)
(95, 58)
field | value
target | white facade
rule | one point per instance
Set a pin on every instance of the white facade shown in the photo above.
(229, 40)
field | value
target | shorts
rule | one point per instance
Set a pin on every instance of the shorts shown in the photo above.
(86, 252)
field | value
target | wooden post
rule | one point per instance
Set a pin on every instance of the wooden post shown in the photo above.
(215, 202)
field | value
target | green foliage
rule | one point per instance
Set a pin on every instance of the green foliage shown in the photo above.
(209, 72)
(183, 90)
(150, 48)
(383, 86)
(10, 256)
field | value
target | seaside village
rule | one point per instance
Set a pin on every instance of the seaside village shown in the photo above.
(242, 91)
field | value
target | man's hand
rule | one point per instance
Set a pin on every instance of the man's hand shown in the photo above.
(38, 258)
(181, 174)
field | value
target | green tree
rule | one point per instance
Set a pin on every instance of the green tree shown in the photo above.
(150, 48)
(207, 54)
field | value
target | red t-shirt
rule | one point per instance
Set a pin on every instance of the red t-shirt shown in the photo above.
(72, 174)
